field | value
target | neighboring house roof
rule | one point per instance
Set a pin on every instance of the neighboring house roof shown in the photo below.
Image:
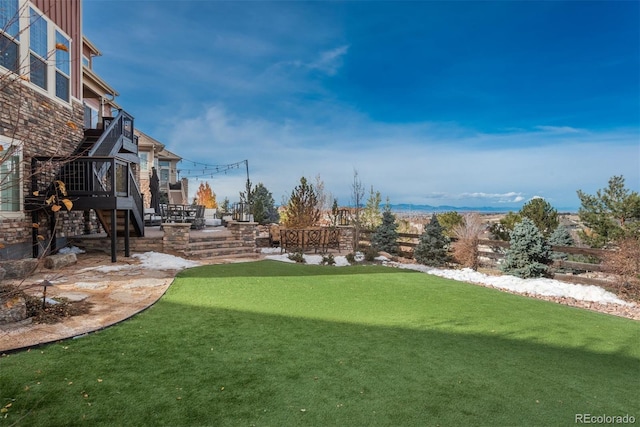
(147, 142)
(168, 155)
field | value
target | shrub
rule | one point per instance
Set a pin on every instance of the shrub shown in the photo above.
(467, 233)
(385, 238)
(432, 247)
(624, 261)
(297, 256)
(328, 259)
(370, 254)
(529, 253)
(351, 258)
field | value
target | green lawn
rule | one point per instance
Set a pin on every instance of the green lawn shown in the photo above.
(276, 344)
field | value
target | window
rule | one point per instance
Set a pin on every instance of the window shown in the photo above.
(38, 49)
(90, 117)
(10, 158)
(33, 46)
(62, 66)
(9, 34)
(144, 161)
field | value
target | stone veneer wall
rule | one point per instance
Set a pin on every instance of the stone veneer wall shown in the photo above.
(41, 126)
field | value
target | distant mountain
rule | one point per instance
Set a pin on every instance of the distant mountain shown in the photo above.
(406, 207)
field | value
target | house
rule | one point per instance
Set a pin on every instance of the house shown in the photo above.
(154, 154)
(68, 155)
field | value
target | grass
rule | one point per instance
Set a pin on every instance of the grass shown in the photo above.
(275, 344)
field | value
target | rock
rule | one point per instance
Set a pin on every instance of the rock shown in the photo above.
(55, 262)
(19, 268)
(13, 309)
(3, 272)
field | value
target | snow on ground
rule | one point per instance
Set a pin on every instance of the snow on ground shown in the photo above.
(150, 261)
(160, 261)
(539, 286)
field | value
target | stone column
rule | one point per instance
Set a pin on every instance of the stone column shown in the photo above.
(246, 232)
(176, 237)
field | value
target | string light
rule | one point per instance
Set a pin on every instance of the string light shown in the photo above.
(205, 170)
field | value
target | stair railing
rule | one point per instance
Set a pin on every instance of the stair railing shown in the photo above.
(119, 131)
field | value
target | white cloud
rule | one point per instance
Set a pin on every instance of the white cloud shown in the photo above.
(423, 163)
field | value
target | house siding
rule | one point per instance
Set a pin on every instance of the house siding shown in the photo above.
(41, 127)
(67, 15)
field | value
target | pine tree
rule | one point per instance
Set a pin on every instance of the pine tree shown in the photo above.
(302, 208)
(560, 237)
(262, 205)
(543, 215)
(432, 247)
(529, 253)
(385, 238)
(613, 213)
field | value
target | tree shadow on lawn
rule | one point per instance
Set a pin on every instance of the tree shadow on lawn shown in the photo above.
(183, 365)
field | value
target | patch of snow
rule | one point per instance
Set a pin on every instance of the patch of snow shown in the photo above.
(537, 286)
(71, 250)
(160, 261)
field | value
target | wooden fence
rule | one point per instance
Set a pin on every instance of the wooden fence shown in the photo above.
(489, 251)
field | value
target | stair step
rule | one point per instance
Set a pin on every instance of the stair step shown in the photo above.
(216, 244)
(221, 252)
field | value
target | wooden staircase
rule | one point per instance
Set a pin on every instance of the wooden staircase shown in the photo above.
(105, 215)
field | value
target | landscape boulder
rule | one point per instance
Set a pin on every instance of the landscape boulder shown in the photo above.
(19, 268)
(54, 262)
(12, 309)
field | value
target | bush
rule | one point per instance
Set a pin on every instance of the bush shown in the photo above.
(529, 254)
(328, 259)
(370, 254)
(432, 247)
(351, 258)
(385, 238)
(624, 261)
(465, 248)
(297, 257)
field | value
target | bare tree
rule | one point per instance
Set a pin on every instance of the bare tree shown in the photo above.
(357, 196)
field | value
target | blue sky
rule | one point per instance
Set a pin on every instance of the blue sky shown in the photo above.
(441, 103)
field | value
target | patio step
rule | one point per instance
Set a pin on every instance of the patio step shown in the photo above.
(214, 246)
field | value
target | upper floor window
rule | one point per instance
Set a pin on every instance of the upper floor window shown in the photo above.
(9, 34)
(38, 49)
(33, 46)
(63, 70)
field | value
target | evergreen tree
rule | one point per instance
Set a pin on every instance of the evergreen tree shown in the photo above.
(449, 220)
(529, 253)
(501, 230)
(543, 215)
(560, 237)
(262, 205)
(385, 238)
(302, 207)
(432, 247)
(613, 213)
